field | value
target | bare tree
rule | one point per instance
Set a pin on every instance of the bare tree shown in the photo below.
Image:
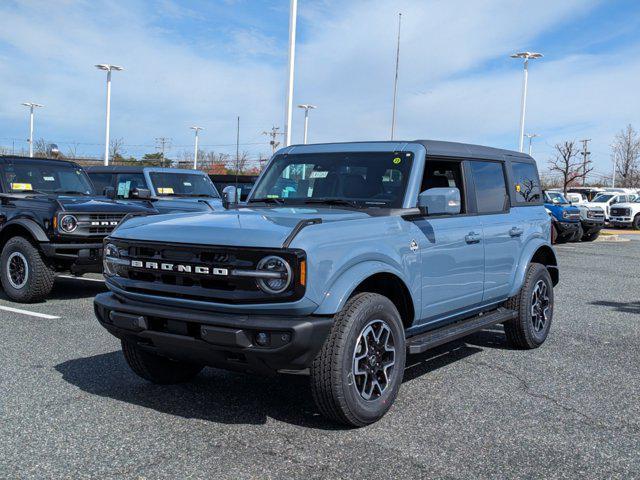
(567, 165)
(626, 156)
(40, 148)
(116, 151)
(72, 150)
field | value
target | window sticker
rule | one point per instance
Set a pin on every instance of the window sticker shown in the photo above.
(518, 188)
(397, 160)
(165, 190)
(21, 186)
(319, 174)
(123, 189)
(187, 184)
(49, 179)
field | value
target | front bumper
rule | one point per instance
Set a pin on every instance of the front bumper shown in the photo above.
(216, 339)
(567, 229)
(621, 221)
(592, 226)
(82, 257)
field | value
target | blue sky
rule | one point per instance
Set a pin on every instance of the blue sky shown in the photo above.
(205, 62)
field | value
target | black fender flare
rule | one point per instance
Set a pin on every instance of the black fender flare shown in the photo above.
(32, 227)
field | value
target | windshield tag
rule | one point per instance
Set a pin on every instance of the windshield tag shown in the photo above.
(165, 190)
(49, 179)
(21, 186)
(319, 174)
(186, 184)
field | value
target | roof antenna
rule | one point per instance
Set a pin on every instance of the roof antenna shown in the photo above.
(395, 83)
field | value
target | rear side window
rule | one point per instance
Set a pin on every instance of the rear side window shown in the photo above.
(101, 181)
(491, 188)
(527, 185)
(128, 182)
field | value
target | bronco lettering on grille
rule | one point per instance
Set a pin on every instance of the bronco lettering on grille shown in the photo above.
(172, 267)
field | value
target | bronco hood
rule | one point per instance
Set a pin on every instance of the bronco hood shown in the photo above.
(247, 227)
(82, 204)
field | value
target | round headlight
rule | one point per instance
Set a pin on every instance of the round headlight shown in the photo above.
(68, 223)
(281, 271)
(109, 259)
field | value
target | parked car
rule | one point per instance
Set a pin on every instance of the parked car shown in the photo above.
(51, 221)
(589, 192)
(626, 214)
(591, 222)
(567, 225)
(169, 190)
(576, 198)
(382, 249)
(243, 183)
(607, 199)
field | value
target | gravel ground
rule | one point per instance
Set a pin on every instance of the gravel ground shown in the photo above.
(71, 408)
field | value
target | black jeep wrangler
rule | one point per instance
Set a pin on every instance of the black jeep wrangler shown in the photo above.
(51, 221)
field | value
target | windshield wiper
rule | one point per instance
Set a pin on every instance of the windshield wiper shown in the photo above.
(71, 192)
(278, 201)
(38, 192)
(333, 201)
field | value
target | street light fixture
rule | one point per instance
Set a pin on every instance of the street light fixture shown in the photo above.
(31, 106)
(108, 68)
(306, 108)
(526, 56)
(195, 153)
(531, 136)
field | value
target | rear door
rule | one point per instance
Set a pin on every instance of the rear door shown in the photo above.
(502, 232)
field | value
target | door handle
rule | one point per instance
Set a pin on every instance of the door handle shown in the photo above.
(516, 232)
(472, 237)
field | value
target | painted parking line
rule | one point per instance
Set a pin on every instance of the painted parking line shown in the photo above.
(101, 280)
(29, 313)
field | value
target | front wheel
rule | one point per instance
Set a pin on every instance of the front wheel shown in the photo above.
(534, 307)
(24, 274)
(357, 374)
(636, 222)
(590, 237)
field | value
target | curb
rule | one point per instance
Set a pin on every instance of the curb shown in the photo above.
(611, 238)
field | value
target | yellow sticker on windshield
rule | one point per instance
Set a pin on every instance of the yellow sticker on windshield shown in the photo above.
(165, 191)
(397, 160)
(21, 186)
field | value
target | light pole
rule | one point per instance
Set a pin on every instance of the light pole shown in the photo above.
(531, 136)
(526, 56)
(195, 152)
(306, 108)
(108, 68)
(293, 17)
(31, 106)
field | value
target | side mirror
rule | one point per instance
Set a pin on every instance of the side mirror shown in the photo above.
(141, 193)
(440, 201)
(229, 196)
(109, 192)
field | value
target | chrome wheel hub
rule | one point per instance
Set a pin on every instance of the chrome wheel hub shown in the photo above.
(17, 270)
(373, 360)
(540, 305)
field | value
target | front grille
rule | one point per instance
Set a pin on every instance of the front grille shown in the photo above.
(222, 287)
(573, 216)
(620, 212)
(94, 224)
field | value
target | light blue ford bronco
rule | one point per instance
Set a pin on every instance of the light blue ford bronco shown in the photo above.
(345, 258)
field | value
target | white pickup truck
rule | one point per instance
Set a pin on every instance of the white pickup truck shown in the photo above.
(607, 200)
(625, 214)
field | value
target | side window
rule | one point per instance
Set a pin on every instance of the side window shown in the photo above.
(101, 181)
(127, 182)
(443, 174)
(491, 189)
(527, 185)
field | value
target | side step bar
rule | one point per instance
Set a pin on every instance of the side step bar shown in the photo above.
(462, 328)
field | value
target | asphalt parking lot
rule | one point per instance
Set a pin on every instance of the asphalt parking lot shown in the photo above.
(71, 408)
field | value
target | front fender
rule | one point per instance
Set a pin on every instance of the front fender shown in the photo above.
(527, 254)
(342, 288)
(32, 227)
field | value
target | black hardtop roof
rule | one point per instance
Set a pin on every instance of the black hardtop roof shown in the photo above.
(455, 149)
(19, 158)
(114, 168)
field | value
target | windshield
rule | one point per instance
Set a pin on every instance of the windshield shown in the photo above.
(183, 184)
(359, 179)
(46, 177)
(603, 198)
(556, 197)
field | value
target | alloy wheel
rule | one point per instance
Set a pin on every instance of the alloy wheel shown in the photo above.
(540, 305)
(373, 360)
(17, 270)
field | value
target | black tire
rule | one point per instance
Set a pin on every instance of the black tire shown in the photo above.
(157, 369)
(36, 280)
(590, 237)
(336, 388)
(578, 235)
(523, 332)
(636, 222)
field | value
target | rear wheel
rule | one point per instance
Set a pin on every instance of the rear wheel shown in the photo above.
(357, 374)
(534, 306)
(155, 368)
(24, 274)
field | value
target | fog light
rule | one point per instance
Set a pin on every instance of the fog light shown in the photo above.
(263, 339)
